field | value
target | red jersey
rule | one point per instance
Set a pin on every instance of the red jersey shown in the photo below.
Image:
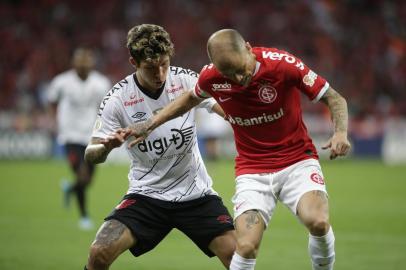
(266, 115)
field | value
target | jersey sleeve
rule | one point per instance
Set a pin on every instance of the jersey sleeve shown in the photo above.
(108, 119)
(201, 88)
(306, 80)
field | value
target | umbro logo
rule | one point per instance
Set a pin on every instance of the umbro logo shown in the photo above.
(138, 115)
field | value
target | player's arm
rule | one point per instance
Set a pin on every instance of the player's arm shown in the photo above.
(217, 109)
(174, 109)
(337, 105)
(98, 149)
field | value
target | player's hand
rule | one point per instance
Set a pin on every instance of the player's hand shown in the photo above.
(115, 139)
(137, 132)
(338, 144)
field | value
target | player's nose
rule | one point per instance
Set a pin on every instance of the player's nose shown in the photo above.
(239, 78)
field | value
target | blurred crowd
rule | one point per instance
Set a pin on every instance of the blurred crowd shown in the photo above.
(359, 46)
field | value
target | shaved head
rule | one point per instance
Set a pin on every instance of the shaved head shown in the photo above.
(231, 55)
(224, 43)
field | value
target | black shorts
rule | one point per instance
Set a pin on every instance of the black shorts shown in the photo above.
(76, 157)
(150, 220)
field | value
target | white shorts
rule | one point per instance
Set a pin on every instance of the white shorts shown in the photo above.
(262, 191)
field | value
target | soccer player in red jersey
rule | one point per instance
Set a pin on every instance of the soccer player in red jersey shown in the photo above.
(259, 91)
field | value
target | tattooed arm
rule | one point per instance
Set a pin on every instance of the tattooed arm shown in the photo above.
(98, 148)
(338, 143)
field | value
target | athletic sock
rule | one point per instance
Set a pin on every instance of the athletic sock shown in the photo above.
(241, 263)
(321, 249)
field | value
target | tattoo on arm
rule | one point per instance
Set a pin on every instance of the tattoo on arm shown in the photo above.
(251, 219)
(110, 232)
(96, 155)
(338, 109)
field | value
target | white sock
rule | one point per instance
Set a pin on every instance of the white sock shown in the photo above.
(321, 249)
(240, 263)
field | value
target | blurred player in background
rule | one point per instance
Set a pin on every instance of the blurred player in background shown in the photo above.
(74, 97)
(168, 183)
(259, 91)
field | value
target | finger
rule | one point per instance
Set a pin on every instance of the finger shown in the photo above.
(134, 142)
(326, 145)
(119, 131)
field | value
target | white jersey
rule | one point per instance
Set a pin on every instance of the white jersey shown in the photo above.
(78, 102)
(167, 165)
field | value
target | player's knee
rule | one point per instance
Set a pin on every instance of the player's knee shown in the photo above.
(100, 256)
(247, 249)
(319, 226)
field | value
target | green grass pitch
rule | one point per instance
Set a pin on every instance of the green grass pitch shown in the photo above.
(367, 201)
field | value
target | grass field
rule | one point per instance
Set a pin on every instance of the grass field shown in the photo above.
(368, 212)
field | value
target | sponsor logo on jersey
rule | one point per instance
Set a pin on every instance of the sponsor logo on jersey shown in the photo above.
(310, 78)
(317, 178)
(175, 89)
(139, 116)
(221, 86)
(287, 57)
(224, 99)
(258, 120)
(267, 93)
(133, 102)
(177, 138)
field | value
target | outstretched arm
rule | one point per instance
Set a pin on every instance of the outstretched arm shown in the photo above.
(176, 108)
(338, 143)
(98, 149)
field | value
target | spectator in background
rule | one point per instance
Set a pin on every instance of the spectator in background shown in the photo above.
(74, 97)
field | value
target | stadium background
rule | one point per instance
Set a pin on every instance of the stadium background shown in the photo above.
(359, 46)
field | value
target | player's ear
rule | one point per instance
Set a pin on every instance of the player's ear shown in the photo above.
(133, 62)
(248, 46)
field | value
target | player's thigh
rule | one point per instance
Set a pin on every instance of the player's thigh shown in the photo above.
(223, 246)
(250, 227)
(304, 188)
(203, 220)
(254, 192)
(313, 207)
(112, 239)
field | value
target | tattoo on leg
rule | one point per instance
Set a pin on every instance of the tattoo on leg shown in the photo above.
(110, 232)
(251, 218)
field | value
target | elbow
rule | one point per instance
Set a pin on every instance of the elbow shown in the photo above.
(91, 157)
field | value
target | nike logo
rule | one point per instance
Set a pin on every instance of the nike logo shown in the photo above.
(224, 99)
(239, 205)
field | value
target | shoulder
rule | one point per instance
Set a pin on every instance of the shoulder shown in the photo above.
(183, 73)
(120, 87)
(64, 77)
(209, 73)
(277, 58)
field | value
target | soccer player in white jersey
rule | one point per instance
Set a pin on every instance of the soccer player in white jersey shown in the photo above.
(168, 183)
(74, 97)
